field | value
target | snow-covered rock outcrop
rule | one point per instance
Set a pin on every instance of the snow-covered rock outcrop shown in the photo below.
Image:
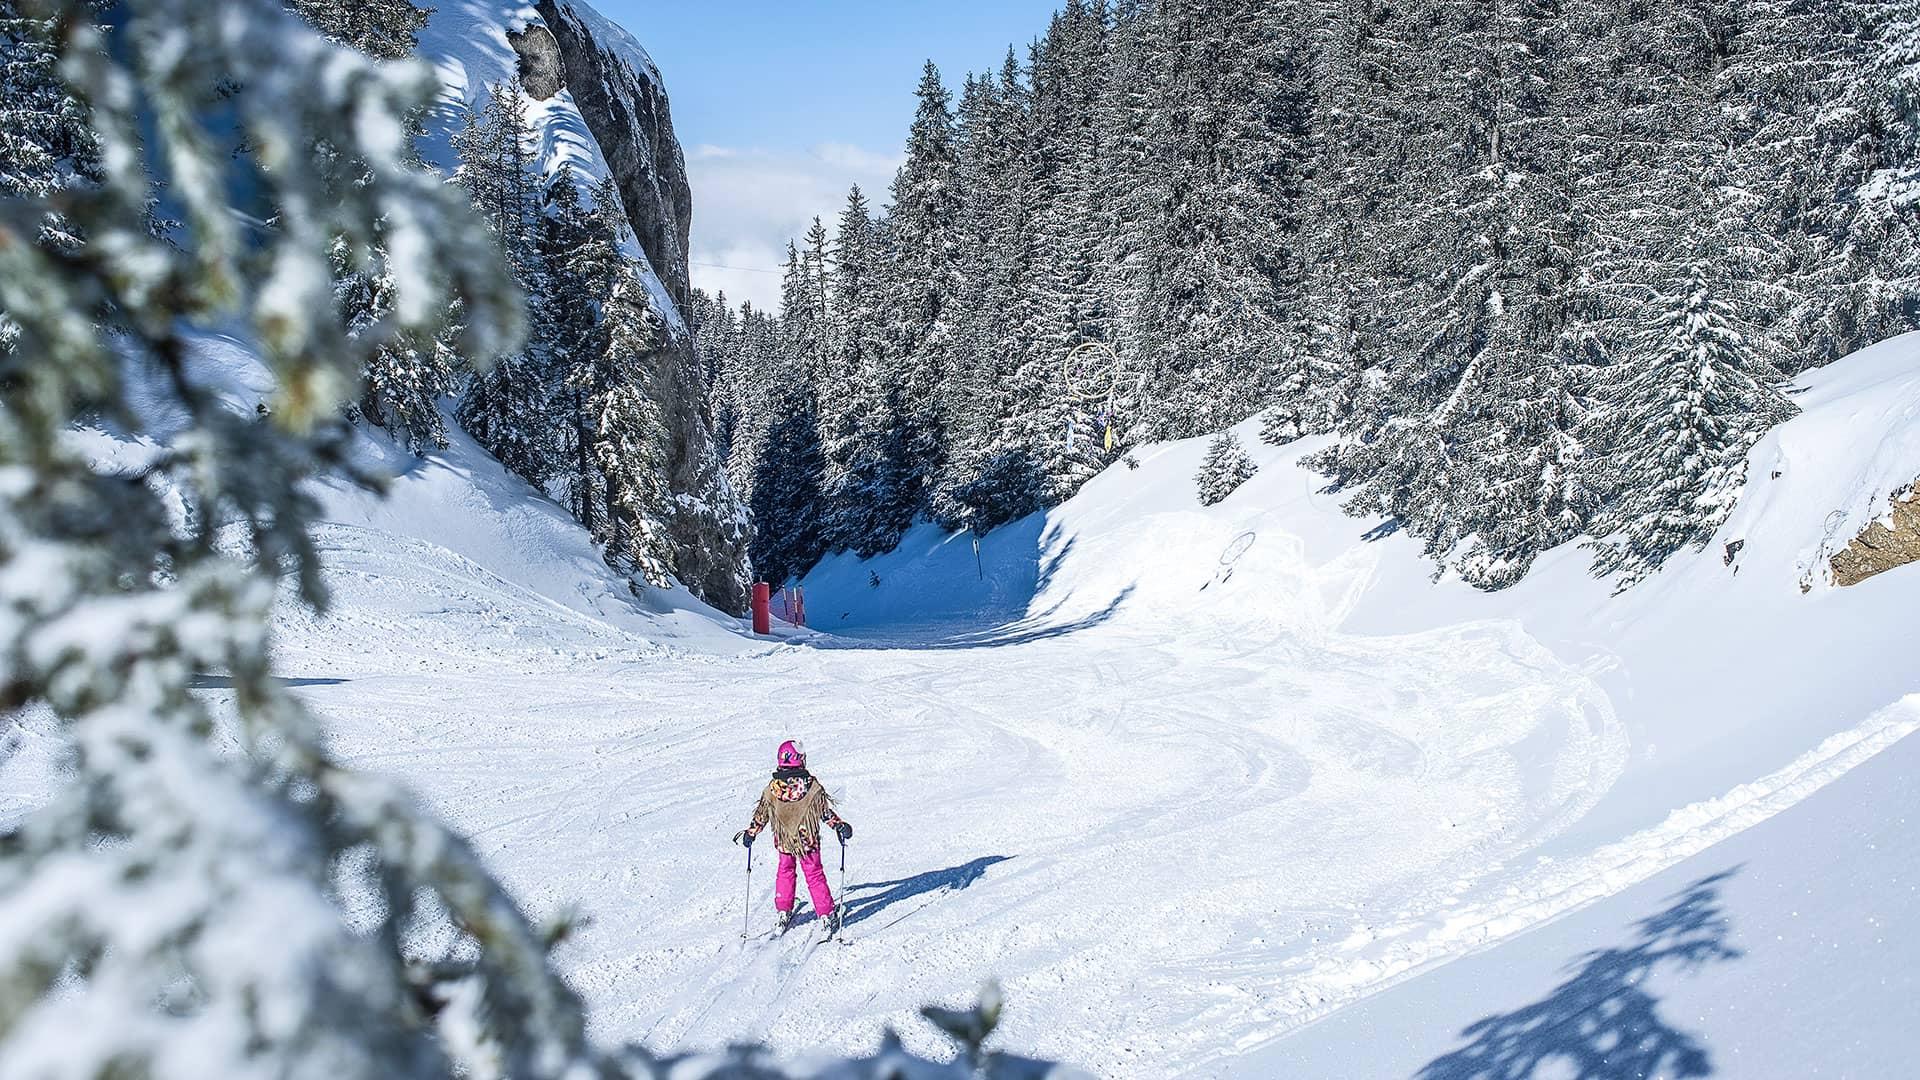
(599, 105)
(1882, 545)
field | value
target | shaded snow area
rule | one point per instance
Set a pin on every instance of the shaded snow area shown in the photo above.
(1234, 791)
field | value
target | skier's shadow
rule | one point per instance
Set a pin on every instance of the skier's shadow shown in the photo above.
(863, 904)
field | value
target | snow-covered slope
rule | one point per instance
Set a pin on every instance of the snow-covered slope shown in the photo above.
(1186, 780)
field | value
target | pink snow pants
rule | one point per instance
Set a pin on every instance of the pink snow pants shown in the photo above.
(816, 883)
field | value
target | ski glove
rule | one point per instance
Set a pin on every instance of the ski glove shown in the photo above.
(845, 830)
(743, 838)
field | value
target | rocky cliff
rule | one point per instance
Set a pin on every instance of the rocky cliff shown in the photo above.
(1883, 545)
(621, 97)
(602, 109)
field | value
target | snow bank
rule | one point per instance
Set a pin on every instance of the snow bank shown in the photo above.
(1815, 483)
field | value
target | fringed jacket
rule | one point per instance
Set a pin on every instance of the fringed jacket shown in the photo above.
(795, 804)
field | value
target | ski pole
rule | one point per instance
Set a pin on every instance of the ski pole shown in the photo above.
(843, 876)
(746, 909)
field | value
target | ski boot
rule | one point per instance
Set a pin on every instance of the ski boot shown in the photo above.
(833, 922)
(782, 922)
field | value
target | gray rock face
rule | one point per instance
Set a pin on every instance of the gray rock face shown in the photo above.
(625, 109)
(539, 60)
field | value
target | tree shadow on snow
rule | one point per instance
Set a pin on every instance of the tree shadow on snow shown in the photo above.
(1025, 560)
(1602, 1023)
(225, 682)
(954, 878)
(1381, 531)
(1021, 632)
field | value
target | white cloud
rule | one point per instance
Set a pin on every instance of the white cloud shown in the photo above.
(747, 203)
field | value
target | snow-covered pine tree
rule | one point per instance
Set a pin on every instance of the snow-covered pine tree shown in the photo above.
(630, 436)
(383, 29)
(1124, 115)
(1860, 281)
(1002, 413)
(803, 328)
(1224, 469)
(1694, 399)
(505, 405)
(581, 263)
(816, 263)
(1460, 444)
(786, 502)
(759, 376)
(716, 341)
(46, 144)
(1216, 309)
(1351, 131)
(1280, 425)
(1062, 276)
(407, 373)
(853, 414)
(974, 378)
(1783, 89)
(919, 280)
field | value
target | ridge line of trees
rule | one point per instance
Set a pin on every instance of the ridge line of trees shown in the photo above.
(1542, 266)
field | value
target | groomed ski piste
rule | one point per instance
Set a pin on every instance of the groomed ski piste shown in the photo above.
(1210, 791)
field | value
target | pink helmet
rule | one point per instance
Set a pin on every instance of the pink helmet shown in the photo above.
(792, 755)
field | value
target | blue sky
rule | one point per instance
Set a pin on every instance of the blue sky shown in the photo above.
(782, 105)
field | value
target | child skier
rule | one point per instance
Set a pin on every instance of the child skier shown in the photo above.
(796, 804)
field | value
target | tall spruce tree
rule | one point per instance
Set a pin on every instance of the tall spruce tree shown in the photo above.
(629, 446)
(1694, 400)
(919, 280)
(505, 404)
(853, 412)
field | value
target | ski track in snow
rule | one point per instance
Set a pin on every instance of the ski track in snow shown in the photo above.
(1148, 831)
(1170, 844)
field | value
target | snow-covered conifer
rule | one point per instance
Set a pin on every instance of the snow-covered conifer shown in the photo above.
(1224, 469)
(505, 406)
(45, 141)
(853, 414)
(630, 437)
(383, 29)
(1694, 400)
(174, 899)
(405, 374)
